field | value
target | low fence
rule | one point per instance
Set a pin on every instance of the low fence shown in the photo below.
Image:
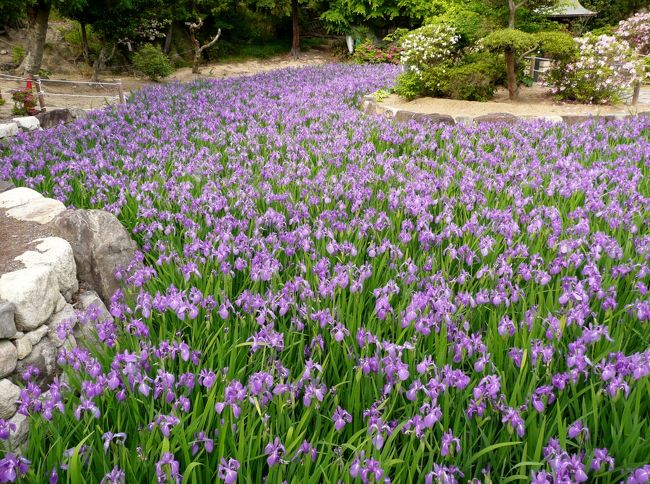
(45, 89)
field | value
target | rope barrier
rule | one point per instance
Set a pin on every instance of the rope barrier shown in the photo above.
(7, 76)
(97, 84)
(78, 95)
(66, 81)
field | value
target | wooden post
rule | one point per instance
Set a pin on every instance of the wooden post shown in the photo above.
(532, 67)
(39, 93)
(120, 91)
(636, 92)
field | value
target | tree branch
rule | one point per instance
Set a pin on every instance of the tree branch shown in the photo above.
(196, 26)
(211, 43)
(528, 52)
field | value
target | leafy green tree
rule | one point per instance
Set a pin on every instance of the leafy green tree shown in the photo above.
(78, 10)
(611, 12)
(124, 19)
(11, 11)
(284, 8)
(343, 14)
(514, 44)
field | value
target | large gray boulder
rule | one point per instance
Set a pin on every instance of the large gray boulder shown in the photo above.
(402, 116)
(52, 118)
(41, 211)
(67, 316)
(18, 436)
(56, 253)
(7, 322)
(6, 185)
(8, 358)
(27, 123)
(100, 245)
(7, 130)
(23, 347)
(16, 197)
(506, 118)
(9, 394)
(34, 291)
(437, 118)
(37, 335)
(43, 357)
(86, 333)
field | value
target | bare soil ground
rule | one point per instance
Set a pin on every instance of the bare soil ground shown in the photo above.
(533, 101)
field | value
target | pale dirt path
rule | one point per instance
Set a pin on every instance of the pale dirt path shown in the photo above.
(534, 101)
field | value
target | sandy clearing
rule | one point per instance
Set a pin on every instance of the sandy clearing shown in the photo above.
(534, 101)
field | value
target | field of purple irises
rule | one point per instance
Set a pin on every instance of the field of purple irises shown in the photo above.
(328, 296)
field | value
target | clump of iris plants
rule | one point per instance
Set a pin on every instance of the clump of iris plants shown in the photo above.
(329, 296)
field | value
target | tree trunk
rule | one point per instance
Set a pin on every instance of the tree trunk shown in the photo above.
(168, 38)
(512, 10)
(37, 18)
(197, 62)
(198, 48)
(511, 72)
(84, 43)
(102, 59)
(295, 46)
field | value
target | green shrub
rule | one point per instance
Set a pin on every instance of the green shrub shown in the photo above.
(468, 24)
(435, 80)
(606, 30)
(495, 61)
(368, 53)
(18, 54)
(409, 85)
(152, 62)
(72, 35)
(557, 45)
(475, 80)
(509, 39)
(396, 36)
(472, 82)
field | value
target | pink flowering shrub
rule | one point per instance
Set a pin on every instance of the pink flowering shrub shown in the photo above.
(603, 68)
(636, 31)
(369, 53)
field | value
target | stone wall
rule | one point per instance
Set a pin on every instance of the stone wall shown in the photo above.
(57, 274)
(370, 106)
(23, 123)
(44, 120)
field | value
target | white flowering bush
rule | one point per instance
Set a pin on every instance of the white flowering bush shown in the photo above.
(427, 46)
(602, 69)
(636, 31)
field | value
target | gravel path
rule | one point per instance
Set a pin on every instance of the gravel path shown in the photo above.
(533, 101)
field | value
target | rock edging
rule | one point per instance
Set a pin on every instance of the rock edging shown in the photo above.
(44, 120)
(50, 291)
(370, 106)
